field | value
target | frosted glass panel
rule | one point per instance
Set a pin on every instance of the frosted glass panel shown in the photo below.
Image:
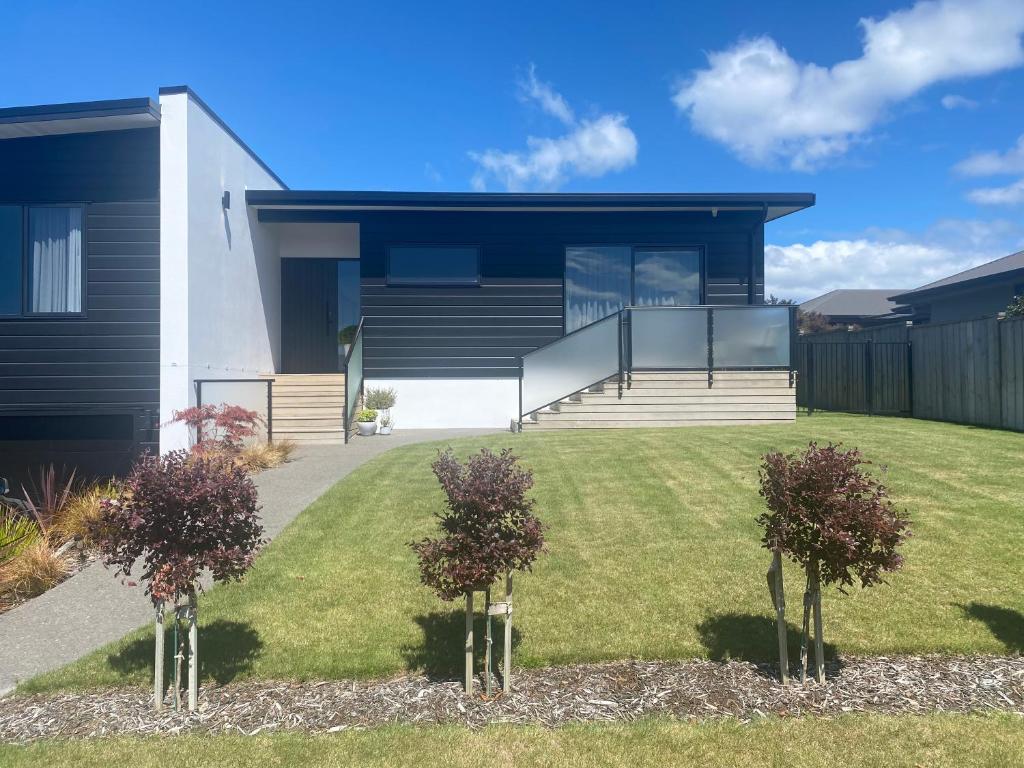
(251, 395)
(570, 364)
(669, 338)
(755, 337)
(354, 376)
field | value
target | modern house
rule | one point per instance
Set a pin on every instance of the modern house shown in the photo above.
(854, 306)
(150, 259)
(983, 291)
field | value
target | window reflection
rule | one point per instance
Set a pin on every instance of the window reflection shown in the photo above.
(597, 283)
(667, 278)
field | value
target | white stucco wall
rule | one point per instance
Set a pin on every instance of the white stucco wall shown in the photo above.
(317, 241)
(428, 403)
(220, 291)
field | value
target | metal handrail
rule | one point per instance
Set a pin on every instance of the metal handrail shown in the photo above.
(270, 399)
(356, 339)
(625, 345)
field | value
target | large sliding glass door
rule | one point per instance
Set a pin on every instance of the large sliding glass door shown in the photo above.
(602, 279)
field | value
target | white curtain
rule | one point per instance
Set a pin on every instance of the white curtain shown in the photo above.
(56, 238)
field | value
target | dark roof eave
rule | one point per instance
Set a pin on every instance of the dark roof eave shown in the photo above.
(928, 293)
(539, 200)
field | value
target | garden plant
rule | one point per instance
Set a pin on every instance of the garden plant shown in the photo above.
(826, 513)
(489, 532)
(181, 514)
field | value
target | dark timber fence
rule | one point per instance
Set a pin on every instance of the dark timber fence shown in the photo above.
(970, 372)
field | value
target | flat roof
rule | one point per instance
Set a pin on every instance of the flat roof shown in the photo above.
(78, 117)
(773, 204)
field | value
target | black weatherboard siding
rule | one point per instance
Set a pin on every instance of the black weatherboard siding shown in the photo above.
(481, 331)
(85, 390)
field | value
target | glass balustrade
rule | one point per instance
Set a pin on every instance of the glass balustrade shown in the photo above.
(669, 337)
(751, 337)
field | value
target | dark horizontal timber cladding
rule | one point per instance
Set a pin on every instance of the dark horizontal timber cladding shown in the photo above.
(104, 368)
(481, 331)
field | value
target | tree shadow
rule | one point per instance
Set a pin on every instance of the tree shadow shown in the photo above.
(440, 653)
(226, 649)
(753, 638)
(1005, 623)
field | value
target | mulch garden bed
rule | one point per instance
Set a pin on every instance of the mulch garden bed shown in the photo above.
(619, 691)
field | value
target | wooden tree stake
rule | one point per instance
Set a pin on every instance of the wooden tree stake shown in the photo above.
(803, 635)
(819, 644)
(158, 661)
(507, 676)
(779, 599)
(469, 642)
(488, 643)
(193, 654)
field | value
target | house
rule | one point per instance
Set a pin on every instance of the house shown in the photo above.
(854, 306)
(983, 291)
(152, 260)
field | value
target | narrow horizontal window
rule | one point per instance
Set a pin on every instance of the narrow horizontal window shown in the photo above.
(11, 250)
(433, 265)
(55, 260)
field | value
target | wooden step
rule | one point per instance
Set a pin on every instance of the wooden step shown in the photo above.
(587, 407)
(609, 424)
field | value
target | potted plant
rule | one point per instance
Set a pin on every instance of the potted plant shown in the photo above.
(367, 422)
(346, 336)
(381, 400)
(386, 424)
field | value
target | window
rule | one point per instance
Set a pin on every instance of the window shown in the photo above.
(602, 279)
(597, 283)
(433, 265)
(11, 250)
(41, 264)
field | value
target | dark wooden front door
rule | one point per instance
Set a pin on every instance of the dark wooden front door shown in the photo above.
(309, 316)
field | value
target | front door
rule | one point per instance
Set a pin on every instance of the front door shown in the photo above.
(319, 301)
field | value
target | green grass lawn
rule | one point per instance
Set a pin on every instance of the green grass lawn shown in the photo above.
(653, 553)
(846, 742)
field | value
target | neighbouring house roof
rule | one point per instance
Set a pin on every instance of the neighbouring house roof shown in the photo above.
(1007, 268)
(78, 117)
(772, 205)
(852, 302)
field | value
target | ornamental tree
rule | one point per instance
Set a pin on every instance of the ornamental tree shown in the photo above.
(833, 518)
(223, 426)
(488, 524)
(180, 514)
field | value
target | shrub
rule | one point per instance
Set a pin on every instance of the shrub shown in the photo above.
(347, 334)
(35, 569)
(220, 426)
(16, 534)
(1016, 307)
(815, 322)
(266, 455)
(81, 510)
(488, 524)
(48, 494)
(180, 514)
(830, 516)
(380, 399)
(367, 415)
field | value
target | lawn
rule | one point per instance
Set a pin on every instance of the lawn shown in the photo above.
(850, 742)
(653, 553)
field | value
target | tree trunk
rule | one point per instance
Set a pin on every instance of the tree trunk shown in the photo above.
(469, 643)
(488, 643)
(506, 678)
(819, 644)
(780, 617)
(805, 631)
(193, 653)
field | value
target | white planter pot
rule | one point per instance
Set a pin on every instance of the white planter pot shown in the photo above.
(386, 430)
(366, 428)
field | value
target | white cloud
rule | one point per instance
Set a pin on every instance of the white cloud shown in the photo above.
(547, 97)
(592, 147)
(767, 107)
(956, 101)
(994, 163)
(887, 258)
(1011, 194)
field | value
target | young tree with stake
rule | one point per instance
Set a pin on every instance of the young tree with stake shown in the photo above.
(181, 514)
(489, 532)
(834, 519)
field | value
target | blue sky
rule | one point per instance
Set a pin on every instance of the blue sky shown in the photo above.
(906, 124)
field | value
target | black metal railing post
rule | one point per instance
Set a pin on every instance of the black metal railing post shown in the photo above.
(622, 370)
(519, 417)
(711, 348)
(270, 410)
(199, 404)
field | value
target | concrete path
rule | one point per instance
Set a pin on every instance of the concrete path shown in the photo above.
(93, 608)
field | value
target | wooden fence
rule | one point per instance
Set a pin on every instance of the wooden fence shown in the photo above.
(970, 372)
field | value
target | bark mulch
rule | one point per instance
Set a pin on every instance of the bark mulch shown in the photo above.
(619, 691)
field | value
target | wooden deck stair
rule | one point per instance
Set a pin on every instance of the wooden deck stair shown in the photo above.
(309, 407)
(675, 399)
